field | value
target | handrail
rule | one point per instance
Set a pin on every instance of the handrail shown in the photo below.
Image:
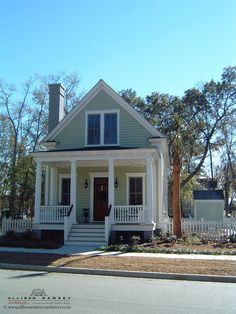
(109, 211)
(68, 221)
(70, 210)
(108, 223)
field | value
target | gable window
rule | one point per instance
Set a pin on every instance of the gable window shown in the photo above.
(135, 189)
(102, 128)
(94, 129)
(110, 128)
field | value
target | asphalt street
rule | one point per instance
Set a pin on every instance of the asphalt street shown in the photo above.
(39, 292)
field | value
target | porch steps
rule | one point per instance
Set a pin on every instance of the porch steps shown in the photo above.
(87, 234)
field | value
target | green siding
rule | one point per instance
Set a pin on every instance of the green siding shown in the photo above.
(209, 210)
(83, 195)
(132, 133)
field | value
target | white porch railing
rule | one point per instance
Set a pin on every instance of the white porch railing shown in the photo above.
(53, 213)
(131, 214)
(215, 229)
(17, 225)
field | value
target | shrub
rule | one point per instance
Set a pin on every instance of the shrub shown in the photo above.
(164, 238)
(11, 235)
(193, 239)
(125, 248)
(135, 240)
(26, 235)
(232, 238)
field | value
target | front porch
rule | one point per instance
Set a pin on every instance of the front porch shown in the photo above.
(130, 214)
(122, 219)
(124, 181)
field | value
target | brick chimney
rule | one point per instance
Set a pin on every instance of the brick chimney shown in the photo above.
(56, 105)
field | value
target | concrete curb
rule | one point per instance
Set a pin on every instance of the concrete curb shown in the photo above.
(120, 273)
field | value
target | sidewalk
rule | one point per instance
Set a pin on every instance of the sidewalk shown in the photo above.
(91, 250)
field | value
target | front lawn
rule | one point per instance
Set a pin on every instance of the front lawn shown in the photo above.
(120, 262)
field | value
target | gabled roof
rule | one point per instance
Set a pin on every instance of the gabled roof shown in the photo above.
(208, 195)
(101, 86)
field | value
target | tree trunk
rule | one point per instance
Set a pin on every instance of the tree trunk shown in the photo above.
(176, 196)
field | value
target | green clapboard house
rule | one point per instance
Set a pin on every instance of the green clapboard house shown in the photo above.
(105, 170)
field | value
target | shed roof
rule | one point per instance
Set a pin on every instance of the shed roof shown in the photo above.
(208, 195)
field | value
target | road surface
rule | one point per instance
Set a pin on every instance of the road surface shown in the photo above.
(39, 292)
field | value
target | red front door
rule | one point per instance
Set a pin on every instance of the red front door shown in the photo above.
(100, 199)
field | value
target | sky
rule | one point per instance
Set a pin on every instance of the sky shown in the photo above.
(166, 46)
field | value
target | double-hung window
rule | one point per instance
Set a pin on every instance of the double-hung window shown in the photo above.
(64, 188)
(136, 189)
(110, 128)
(94, 129)
(102, 128)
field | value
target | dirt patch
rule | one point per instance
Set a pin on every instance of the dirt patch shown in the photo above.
(148, 264)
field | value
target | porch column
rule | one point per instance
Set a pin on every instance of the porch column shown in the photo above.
(73, 188)
(38, 190)
(149, 165)
(47, 186)
(111, 192)
(154, 178)
(160, 188)
(53, 186)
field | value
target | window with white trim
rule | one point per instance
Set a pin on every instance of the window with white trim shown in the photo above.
(64, 190)
(94, 129)
(136, 189)
(102, 128)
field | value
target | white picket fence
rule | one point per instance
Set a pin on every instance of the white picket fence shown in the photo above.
(214, 229)
(17, 225)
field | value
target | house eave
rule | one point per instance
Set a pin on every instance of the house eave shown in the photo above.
(162, 145)
(50, 144)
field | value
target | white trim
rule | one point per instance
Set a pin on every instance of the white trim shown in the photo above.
(136, 175)
(101, 85)
(135, 153)
(111, 187)
(162, 146)
(62, 176)
(150, 189)
(46, 201)
(53, 197)
(73, 190)
(94, 175)
(38, 189)
(50, 145)
(102, 115)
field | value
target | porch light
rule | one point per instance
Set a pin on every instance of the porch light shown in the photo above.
(86, 184)
(116, 184)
